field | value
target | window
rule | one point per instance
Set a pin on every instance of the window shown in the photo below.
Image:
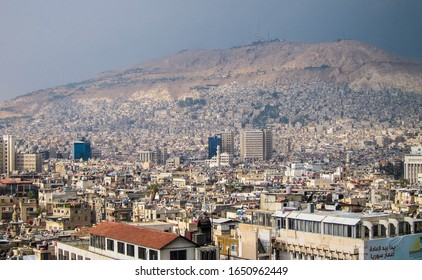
(97, 241)
(142, 253)
(153, 255)
(121, 247)
(375, 230)
(110, 244)
(208, 255)
(292, 224)
(130, 250)
(178, 255)
(61, 255)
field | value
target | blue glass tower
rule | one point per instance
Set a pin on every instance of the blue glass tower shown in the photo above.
(82, 150)
(213, 142)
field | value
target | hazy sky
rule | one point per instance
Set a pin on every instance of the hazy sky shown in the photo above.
(53, 42)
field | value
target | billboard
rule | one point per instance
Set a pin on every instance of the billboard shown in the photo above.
(407, 247)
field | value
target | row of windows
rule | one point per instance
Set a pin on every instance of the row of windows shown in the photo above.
(129, 249)
(64, 255)
(345, 230)
(315, 227)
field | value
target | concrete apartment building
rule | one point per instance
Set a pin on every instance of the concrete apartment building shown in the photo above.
(27, 208)
(337, 235)
(413, 166)
(29, 162)
(227, 142)
(69, 215)
(7, 154)
(256, 144)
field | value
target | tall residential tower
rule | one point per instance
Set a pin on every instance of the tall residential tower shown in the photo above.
(7, 154)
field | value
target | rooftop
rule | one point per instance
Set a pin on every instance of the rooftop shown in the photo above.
(136, 235)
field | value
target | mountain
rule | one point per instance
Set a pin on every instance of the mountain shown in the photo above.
(354, 64)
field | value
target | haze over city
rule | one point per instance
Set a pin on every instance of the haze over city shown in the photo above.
(210, 130)
(50, 43)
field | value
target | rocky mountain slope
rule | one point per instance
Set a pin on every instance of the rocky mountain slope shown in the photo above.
(358, 66)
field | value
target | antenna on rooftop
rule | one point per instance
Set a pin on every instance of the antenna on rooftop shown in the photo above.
(258, 34)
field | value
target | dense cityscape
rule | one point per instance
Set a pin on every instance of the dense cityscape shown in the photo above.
(239, 171)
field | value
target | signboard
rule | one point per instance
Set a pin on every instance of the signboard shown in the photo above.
(407, 247)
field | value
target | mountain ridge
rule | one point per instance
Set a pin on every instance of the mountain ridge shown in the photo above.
(358, 65)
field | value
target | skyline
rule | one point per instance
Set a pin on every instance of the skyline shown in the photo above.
(50, 44)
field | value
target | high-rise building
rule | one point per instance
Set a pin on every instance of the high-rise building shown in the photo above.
(7, 154)
(82, 150)
(213, 143)
(256, 144)
(268, 144)
(227, 142)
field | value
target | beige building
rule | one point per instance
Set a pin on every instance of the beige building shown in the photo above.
(69, 215)
(146, 156)
(29, 162)
(27, 208)
(256, 144)
(7, 154)
(227, 142)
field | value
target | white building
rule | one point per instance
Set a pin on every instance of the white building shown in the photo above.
(221, 159)
(413, 165)
(118, 241)
(337, 235)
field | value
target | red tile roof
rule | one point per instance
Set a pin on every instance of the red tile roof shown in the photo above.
(140, 236)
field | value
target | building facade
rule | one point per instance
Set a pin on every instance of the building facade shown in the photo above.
(413, 166)
(7, 154)
(82, 150)
(227, 142)
(29, 162)
(213, 143)
(117, 241)
(337, 235)
(256, 144)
